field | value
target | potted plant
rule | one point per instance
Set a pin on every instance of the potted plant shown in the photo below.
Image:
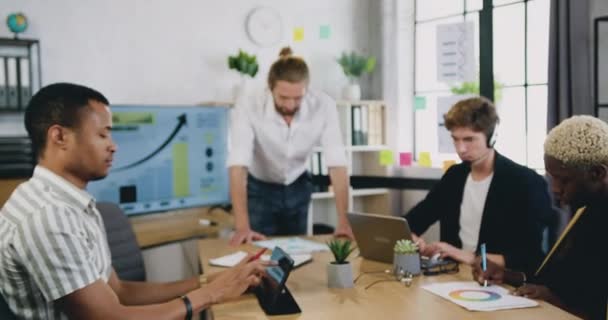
(339, 272)
(247, 65)
(472, 88)
(406, 257)
(354, 66)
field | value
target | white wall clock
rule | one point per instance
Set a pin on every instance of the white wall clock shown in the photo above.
(264, 26)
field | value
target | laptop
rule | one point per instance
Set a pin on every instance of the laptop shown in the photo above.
(376, 234)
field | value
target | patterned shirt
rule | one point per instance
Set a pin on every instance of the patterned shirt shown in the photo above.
(52, 243)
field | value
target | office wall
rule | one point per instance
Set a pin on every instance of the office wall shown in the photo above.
(174, 52)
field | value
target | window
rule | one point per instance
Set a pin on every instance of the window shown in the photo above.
(520, 58)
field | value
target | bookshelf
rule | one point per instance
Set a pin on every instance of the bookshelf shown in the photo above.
(363, 128)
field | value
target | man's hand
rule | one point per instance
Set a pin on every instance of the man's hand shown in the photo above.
(344, 230)
(534, 291)
(447, 250)
(231, 283)
(495, 273)
(245, 236)
(420, 243)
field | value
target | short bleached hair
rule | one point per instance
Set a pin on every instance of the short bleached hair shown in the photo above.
(579, 141)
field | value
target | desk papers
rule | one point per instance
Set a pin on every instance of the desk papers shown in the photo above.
(474, 297)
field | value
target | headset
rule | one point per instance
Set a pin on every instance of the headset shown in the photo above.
(492, 136)
(493, 133)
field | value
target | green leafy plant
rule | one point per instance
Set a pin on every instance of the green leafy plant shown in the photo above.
(355, 65)
(244, 63)
(405, 247)
(341, 249)
(472, 87)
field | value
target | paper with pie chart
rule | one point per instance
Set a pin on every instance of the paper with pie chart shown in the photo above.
(474, 297)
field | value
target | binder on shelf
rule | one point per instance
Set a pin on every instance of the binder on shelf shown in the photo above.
(381, 127)
(315, 167)
(356, 132)
(373, 125)
(12, 94)
(3, 84)
(322, 165)
(24, 90)
(19, 72)
(364, 125)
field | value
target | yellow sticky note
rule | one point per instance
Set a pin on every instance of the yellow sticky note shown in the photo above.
(424, 159)
(447, 164)
(298, 34)
(386, 158)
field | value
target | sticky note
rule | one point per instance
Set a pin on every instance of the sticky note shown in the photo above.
(447, 164)
(405, 159)
(419, 103)
(386, 158)
(324, 31)
(424, 159)
(298, 34)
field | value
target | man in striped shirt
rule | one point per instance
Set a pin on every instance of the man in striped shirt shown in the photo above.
(54, 257)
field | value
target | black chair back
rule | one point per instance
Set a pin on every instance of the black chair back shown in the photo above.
(127, 259)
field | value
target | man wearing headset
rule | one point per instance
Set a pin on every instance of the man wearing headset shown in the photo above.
(485, 199)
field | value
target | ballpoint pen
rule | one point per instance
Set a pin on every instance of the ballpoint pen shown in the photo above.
(257, 255)
(484, 262)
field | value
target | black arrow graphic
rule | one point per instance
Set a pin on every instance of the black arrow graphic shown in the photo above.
(181, 121)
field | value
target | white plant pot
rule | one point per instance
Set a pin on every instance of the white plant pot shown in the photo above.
(407, 262)
(339, 275)
(352, 92)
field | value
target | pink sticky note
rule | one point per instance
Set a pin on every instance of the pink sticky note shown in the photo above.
(405, 159)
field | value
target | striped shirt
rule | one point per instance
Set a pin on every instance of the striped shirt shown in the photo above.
(52, 243)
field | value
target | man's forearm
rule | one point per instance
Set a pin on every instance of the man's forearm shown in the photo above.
(339, 182)
(144, 293)
(238, 195)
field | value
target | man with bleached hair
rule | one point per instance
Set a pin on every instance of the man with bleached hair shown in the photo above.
(573, 275)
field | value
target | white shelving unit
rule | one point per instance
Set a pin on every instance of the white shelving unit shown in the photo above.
(363, 159)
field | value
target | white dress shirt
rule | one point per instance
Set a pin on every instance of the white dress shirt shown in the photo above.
(275, 152)
(471, 211)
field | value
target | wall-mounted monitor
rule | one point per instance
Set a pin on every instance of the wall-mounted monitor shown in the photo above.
(167, 158)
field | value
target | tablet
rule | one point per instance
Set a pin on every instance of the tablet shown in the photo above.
(273, 283)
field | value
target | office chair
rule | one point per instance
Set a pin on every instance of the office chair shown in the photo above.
(127, 259)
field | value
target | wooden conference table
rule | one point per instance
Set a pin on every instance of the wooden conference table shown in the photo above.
(384, 300)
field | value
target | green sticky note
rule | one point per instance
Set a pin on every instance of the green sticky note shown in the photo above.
(324, 31)
(419, 103)
(386, 158)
